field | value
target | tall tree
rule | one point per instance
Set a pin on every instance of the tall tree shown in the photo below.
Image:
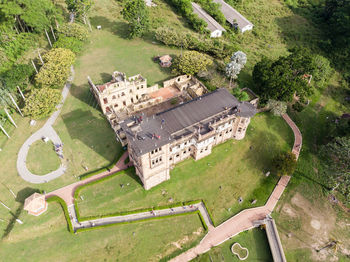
(136, 13)
(234, 67)
(336, 156)
(79, 7)
(281, 79)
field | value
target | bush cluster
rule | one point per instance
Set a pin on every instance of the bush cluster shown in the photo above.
(185, 8)
(213, 9)
(74, 30)
(215, 47)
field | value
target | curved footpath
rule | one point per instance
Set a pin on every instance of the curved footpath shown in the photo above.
(46, 131)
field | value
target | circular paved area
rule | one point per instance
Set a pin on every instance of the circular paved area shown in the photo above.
(46, 131)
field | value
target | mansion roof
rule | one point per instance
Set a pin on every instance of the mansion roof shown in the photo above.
(148, 133)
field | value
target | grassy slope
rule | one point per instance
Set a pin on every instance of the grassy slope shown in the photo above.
(235, 167)
(42, 158)
(255, 240)
(46, 238)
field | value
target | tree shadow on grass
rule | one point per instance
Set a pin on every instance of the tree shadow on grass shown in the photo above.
(89, 129)
(132, 173)
(116, 27)
(20, 197)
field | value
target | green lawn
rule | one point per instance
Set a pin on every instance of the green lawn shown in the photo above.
(45, 238)
(255, 240)
(234, 169)
(42, 158)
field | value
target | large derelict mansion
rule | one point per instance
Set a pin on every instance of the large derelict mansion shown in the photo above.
(160, 133)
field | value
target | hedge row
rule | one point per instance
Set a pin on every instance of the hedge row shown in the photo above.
(103, 169)
(65, 210)
(215, 47)
(209, 213)
(185, 8)
(135, 221)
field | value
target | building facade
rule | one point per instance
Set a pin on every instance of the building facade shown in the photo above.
(156, 143)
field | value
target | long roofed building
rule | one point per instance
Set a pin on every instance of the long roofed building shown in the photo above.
(156, 143)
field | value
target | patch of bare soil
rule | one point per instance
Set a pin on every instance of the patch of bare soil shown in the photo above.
(312, 226)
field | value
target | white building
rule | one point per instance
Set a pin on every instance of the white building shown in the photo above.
(214, 27)
(234, 17)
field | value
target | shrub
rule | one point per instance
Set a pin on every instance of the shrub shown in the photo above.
(72, 43)
(298, 106)
(277, 108)
(74, 30)
(191, 62)
(185, 8)
(216, 47)
(240, 95)
(56, 69)
(41, 102)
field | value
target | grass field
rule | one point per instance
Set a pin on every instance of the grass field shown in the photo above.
(46, 238)
(255, 240)
(234, 169)
(42, 158)
(89, 142)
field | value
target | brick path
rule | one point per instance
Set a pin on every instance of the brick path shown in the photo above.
(236, 224)
(298, 139)
(245, 219)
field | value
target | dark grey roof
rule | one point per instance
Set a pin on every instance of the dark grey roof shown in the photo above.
(211, 22)
(152, 132)
(232, 14)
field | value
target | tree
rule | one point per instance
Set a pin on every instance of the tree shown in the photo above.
(56, 69)
(18, 75)
(191, 62)
(285, 163)
(136, 13)
(79, 7)
(71, 43)
(234, 67)
(41, 102)
(73, 30)
(336, 156)
(283, 78)
(240, 95)
(277, 108)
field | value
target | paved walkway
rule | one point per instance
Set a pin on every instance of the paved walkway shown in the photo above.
(246, 218)
(298, 139)
(46, 131)
(235, 225)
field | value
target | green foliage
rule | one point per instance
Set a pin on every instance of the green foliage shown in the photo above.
(213, 9)
(79, 7)
(65, 210)
(191, 62)
(136, 13)
(74, 30)
(74, 44)
(18, 75)
(185, 9)
(298, 106)
(41, 102)
(337, 165)
(213, 46)
(56, 69)
(337, 27)
(284, 77)
(28, 15)
(285, 163)
(240, 95)
(12, 46)
(277, 108)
